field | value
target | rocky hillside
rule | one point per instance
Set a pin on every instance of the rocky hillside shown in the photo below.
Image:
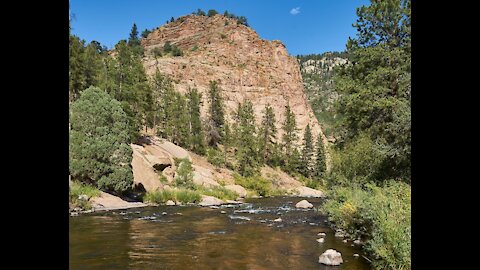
(246, 66)
(317, 71)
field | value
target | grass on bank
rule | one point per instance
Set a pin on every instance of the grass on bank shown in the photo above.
(76, 189)
(379, 215)
(176, 195)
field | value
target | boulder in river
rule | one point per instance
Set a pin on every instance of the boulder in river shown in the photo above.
(209, 201)
(304, 204)
(322, 234)
(170, 202)
(339, 234)
(278, 220)
(321, 240)
(308, 192)
(331, 257)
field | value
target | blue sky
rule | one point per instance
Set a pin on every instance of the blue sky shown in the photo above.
(304, 26)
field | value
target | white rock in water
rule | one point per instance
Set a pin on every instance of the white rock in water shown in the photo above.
(164, 213)
(278, 220)
(321, 240)
(357, 242)
(170, 202)
(210, 201)
(331, 257)
(322, 234)
(304, 204)
(344, 240)
(223, 212)
(355, 255)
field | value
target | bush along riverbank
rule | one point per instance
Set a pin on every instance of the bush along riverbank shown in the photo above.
(378, 216)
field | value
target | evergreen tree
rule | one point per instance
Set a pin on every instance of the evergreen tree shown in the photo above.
(375, 89)
(76, 78)
(289, 139)
(180, 121)
(212, 12)
(320, 165)
(133, 38)
(307, 153)
(216, 114)
(196, 130)
(247, 152)
(268, 133)
(145, 33)
(99, 150)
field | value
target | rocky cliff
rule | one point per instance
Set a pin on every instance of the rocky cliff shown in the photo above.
(246, 66)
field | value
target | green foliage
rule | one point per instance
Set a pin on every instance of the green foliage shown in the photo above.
(212, 12)
(200, 12)
(176, 195)
(376, 89)
(216, 115)
(145, 33)
(99, 148)
(196, 129)
(240, 19)
(247, 143)
(215, 157)
(172, 19)
(194, 48)
(306, 157)
(167, 47)
(157, 52)
(380, 215)
(268, 136)
(184, 173)
(320, 166)
(289, 140)
(163, 179)
(76, 189)
(133, 39)
(256, 183)
(218, 192)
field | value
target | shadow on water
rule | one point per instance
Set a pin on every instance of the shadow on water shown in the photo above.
(245, 237)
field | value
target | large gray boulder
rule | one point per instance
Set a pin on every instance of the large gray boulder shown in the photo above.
(241, 191)
(331, 257)
(304, 204)
(209, 201)
(308, 192)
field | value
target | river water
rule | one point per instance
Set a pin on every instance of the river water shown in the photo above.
(192, 237)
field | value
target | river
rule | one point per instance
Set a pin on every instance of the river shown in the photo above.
(192, 237)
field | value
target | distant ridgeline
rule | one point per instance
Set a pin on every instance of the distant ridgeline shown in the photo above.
(317, 73)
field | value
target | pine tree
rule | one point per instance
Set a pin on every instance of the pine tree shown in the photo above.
(216, 114)
(268, 134)
(289, 138)
(247, 152)
(196, 130)
(320, 165)
(180, 121)
(76, 78)
(133, 39)
(307, 153)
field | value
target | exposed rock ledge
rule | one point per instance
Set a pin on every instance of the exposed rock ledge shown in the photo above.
(106, 202)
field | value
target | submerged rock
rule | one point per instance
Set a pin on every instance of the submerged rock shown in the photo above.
(278, 220)
(321, 240)
(304, 204)
(331, 257)
(223, 212)
(170, 202)
(239, 217)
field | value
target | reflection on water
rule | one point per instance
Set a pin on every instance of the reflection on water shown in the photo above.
(203, 238)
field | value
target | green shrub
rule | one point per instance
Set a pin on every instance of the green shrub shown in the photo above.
(218, 192)
(157, 52)
(179, 195)
(255, 183)
(163, 179)
(194, 48)
(223, 36)
(380, 215)
(76, 189)
(215, 157)
(184, 174)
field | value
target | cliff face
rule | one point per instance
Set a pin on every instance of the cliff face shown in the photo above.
(246, 67)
